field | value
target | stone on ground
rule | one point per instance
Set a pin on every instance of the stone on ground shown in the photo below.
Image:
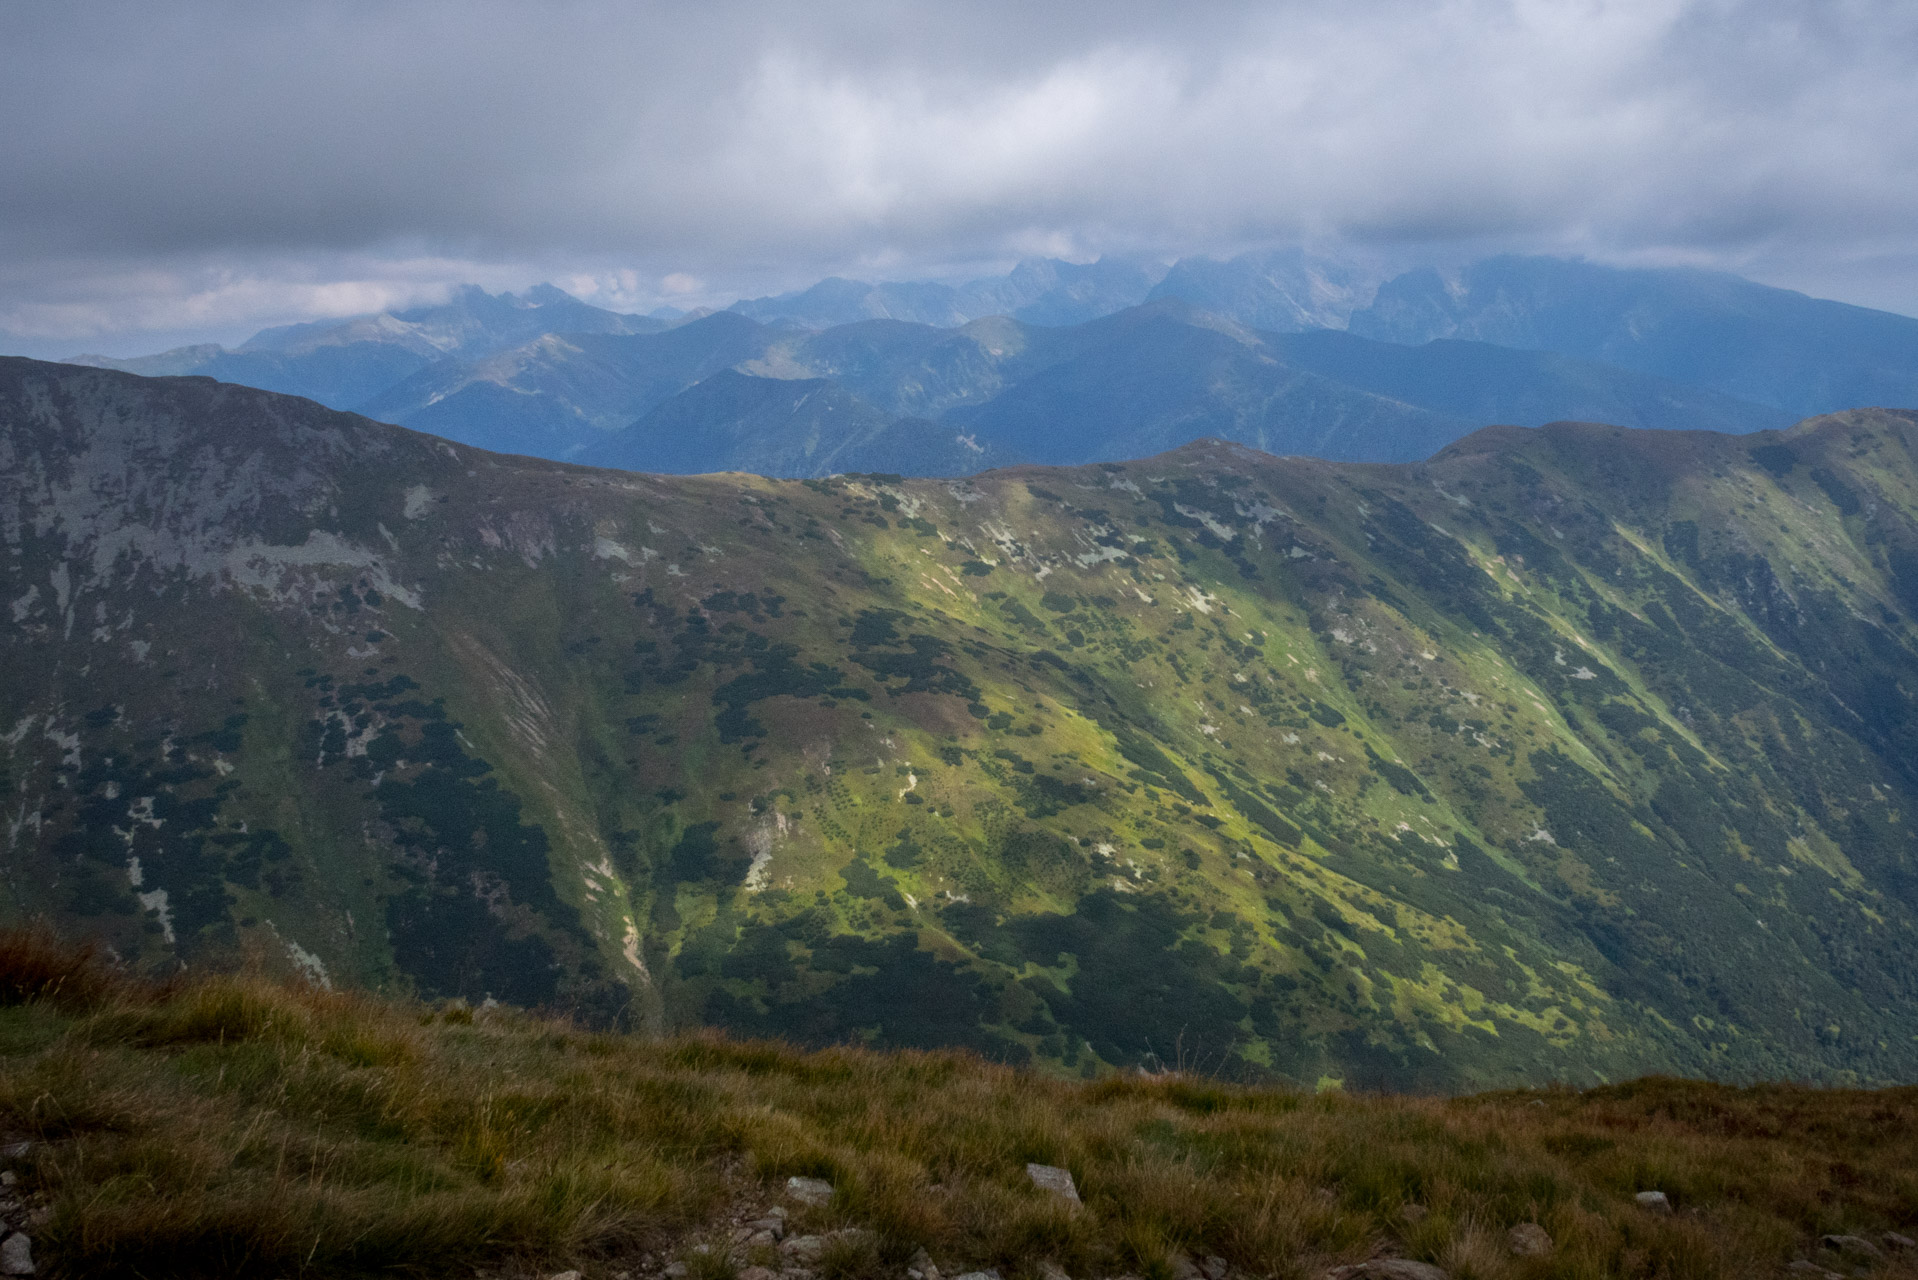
(1389, 1269)
(1529, 1240)
(1051, 1178)
(812, 1191)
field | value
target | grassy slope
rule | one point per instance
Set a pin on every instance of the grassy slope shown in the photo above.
(228, 1125)
(1573, 753)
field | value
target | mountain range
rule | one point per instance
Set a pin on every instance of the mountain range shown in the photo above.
(1569, 753)
(1068, 363)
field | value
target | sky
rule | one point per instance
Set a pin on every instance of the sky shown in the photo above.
(193, 171)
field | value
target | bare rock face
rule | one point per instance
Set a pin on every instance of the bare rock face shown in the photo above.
(1051, 1178)
(1529, 1240)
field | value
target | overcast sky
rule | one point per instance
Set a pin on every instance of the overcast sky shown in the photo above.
(196, 170)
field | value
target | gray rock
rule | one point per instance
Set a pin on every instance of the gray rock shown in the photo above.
(923, 1264)
(676, 1271)
(16, 1255)
(1215, 1268)
(1851, 1246)
(564, 1275)
(15, 1150)
(1656, 1201)
(757, 1273)
(1050, 1270)
(1529, 1240)
(1051, 1178)
(769, 1223)
(812, 1191)
(1895, 1241)
(1389, 1269)
(981, 1275)
(803, 1248)
(1810, 1269)
(1183, 1268)
(762, 1240)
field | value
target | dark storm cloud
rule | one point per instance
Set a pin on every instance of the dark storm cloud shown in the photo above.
(199, 164)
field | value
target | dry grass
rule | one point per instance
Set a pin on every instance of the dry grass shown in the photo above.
(233, 1126)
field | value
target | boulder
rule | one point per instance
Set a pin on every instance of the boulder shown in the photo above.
(922, 1267)
(803, 1248)
(16, 1255)
(1050, 1270)
(812, 1191)
(1656, 1201)
(1215, 1268)
(1389, 1269)
(1901, 1243)
(1183, 1268)
(1051, 1178)
(1529, 1240)
(777, 1226)
(1851, 1246)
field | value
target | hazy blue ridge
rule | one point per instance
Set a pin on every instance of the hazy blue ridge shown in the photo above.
(1770, 346)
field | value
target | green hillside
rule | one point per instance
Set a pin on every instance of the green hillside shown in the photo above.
(1572, 753)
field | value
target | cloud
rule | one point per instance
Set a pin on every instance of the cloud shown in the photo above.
(312, 150)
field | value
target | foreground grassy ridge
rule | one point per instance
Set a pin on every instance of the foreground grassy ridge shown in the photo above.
(230, 1125)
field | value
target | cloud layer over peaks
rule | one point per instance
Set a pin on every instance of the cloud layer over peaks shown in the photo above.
(208, 163)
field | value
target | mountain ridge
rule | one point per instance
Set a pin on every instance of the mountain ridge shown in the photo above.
(545, 374)
(1572, 753)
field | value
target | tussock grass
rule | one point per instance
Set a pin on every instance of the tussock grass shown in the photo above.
(230, 1125)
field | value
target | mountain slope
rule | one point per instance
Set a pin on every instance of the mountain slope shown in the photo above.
(1041, 291)
(1571, 753)
(1772, 346)
(561, 394)
(344, 363)
(1483, 383)
(1158, 381)
(785, 427)
(1280, 290)
(1140, 381)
